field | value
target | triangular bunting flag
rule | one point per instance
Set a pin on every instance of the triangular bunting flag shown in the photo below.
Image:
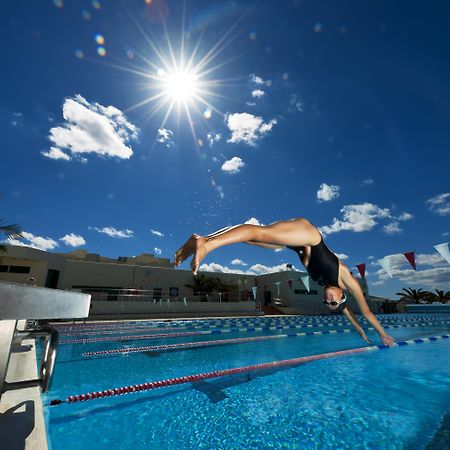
(305, 280)
(411, 259)
(385, 263)
(442, 249)
(362, 270)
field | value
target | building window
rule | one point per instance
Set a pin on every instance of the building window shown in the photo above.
(305, 292)
(173, 292)
(3, 268)
(19, 269)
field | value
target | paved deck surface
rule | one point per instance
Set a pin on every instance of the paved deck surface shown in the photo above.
(22, 425)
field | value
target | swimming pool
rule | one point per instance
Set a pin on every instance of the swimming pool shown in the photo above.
(390, 399)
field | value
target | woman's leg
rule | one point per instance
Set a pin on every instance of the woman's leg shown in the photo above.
(295, 232)
(189, 247)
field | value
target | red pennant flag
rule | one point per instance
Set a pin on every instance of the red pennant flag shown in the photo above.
(290, 284)
(362, 270)
(411, 259)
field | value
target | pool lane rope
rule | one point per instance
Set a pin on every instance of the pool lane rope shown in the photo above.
(226, 323)
(240, 330)
(285, 326)
(216, 342)
(225, 372)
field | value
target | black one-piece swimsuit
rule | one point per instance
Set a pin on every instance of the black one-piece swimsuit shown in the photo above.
(323, 265)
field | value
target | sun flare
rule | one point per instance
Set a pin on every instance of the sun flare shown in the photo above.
(180, 85)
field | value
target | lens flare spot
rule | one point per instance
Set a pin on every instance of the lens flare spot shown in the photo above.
(99, 39)
(96, 4)
(58, 3)
(149, 2)
(285, 76)
(207, 113)
(200, 142)
(101, 51)
(252, 35)
(86, 14)
(79, 53)
(130, 53)
(318, 27)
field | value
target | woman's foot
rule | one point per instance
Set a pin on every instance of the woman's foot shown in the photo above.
(199, 253)
(186, 250)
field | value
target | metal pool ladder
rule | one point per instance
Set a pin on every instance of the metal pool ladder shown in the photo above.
(35, 306)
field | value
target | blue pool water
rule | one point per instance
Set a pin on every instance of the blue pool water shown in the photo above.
(391, 399)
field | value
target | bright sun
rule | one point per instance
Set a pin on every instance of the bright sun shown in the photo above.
(180, 85)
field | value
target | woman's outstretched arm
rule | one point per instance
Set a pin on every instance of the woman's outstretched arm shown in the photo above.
(354, 321)
(353, 286)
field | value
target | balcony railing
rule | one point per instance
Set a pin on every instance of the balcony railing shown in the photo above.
(162, 296)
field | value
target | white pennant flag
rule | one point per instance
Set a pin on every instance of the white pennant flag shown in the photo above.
(305, 280)
(277, 284)
(255, 290)
(443, 251)
(385, 263)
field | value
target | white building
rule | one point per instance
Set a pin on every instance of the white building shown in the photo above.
(145, 284)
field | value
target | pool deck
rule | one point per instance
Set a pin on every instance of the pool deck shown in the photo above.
(22, 425)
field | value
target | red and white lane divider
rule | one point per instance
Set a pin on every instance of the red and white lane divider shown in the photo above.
(221, 373)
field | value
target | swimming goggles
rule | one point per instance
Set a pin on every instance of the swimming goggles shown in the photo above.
(335, 303)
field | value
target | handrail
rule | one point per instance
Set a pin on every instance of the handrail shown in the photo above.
(48, 359)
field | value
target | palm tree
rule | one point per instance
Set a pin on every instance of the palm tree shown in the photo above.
(440, 296)
(10, 231)
(204, 285)
(416, 295)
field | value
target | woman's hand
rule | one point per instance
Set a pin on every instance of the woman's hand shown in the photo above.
(364, 336)
(387, 340)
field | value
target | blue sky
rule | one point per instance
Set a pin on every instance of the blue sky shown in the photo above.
(333, 111)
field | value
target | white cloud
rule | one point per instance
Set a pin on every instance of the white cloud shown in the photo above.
(367, 182)
(56, 153)
(341, 256)
(259, 80)
(238, 262)
(73, 240)
(260, 269)
(112, 232)
(234, 165)
(218, 268)
(295, 104)
(247, 128)
(17, 119)
(213, 138)
(357, 218)
(157, 233)
(91, 128)
(253, 221)
(440, 204)
(326, 193)
(250, 103)
(256, 269)
(165, 137)
(405, 216)
(434, 260)
(38, 242)
(256, 93)
(392, 228)
(157, 251)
